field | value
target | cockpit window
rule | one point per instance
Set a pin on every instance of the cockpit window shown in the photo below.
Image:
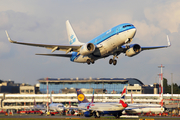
(127, 26)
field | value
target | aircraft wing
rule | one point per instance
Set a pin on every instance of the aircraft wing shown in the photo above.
(58, 55)
(157, 47)
(124, 48)
(67, 48)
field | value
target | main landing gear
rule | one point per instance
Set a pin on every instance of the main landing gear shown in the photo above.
(114, 61)
(89, 61)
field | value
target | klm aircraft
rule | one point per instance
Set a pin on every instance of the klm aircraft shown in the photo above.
(112, 42)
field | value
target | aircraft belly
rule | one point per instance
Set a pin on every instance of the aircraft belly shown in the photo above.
(110, 44)
(81, 59)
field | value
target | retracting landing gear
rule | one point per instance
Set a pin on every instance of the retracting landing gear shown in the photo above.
(114, 61)
(89, 61)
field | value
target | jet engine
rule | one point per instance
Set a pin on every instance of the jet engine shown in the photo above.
(87, 114)
(87, 49)
(134, 49)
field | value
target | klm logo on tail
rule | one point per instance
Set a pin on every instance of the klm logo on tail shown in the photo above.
(73, 39)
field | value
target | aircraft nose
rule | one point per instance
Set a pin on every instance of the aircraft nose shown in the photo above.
(133, 32)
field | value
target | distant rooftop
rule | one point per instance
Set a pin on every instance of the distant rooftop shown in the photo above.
(89, 80)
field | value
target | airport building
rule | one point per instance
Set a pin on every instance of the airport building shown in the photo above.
(63, 91)
(101, 85)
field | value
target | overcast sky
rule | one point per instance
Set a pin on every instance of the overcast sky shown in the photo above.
(43, 21)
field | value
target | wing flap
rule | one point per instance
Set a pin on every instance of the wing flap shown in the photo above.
(57, 55)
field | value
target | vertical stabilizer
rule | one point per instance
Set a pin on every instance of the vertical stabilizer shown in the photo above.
(122, 100)
(51, 98)
(132, 101)
(92, 97)
(81, 97)
(123, 94)
(73, 40)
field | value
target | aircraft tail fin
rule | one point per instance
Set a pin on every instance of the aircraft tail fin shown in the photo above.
(132, 101)
(122, 100)
(73, 40)
(123, 94)
(92, 97)
(35, 102)
(81, 97)
(51, 98)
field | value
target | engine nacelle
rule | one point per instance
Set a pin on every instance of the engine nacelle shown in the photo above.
(133, 50)
(87, 49)
(87, 114)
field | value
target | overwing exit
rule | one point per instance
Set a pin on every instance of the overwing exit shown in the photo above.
(112, 42)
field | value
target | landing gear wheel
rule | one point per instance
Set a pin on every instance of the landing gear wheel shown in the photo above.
(110, 61)
(88, 61)
(114, 62)
(117, 116)
(92, 61)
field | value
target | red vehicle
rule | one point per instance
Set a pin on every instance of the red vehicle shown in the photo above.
(53, 113)
(21, 112)
(2, 112)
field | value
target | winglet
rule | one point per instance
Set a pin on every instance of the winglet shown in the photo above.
(169, 43)
(9, 38)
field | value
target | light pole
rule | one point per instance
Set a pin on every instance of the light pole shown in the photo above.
(161, 80)
(172, 84)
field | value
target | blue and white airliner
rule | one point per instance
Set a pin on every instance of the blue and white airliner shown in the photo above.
(112, 42)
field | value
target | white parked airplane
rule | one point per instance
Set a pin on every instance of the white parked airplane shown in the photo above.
(97, 109)
(112, 42)
(56, 107)
(136, 108)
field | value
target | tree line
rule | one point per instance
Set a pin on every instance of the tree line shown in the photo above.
(167, 88)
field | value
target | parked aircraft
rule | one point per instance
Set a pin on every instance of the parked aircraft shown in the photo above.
(56, 107)
(112, 42)
(42, 107)
(98, 109)
(135, 108)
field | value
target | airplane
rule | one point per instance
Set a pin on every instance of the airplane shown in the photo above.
(42, 107)
(136, 108)
(112, 42)
(97, 109)
(56, 107)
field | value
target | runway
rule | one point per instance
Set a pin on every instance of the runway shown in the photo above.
(35, 116)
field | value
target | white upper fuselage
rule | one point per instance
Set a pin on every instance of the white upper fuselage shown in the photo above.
(108, 42)
(101, 106)
(56, 107)
(143, 108)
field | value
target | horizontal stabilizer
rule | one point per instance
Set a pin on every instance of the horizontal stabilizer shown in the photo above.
(57, 55)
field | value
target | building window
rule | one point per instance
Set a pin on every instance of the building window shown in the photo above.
(27, 91)
(31, 91)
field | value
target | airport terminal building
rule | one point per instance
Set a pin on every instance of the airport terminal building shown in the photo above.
(101, 85)
(63, 91)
